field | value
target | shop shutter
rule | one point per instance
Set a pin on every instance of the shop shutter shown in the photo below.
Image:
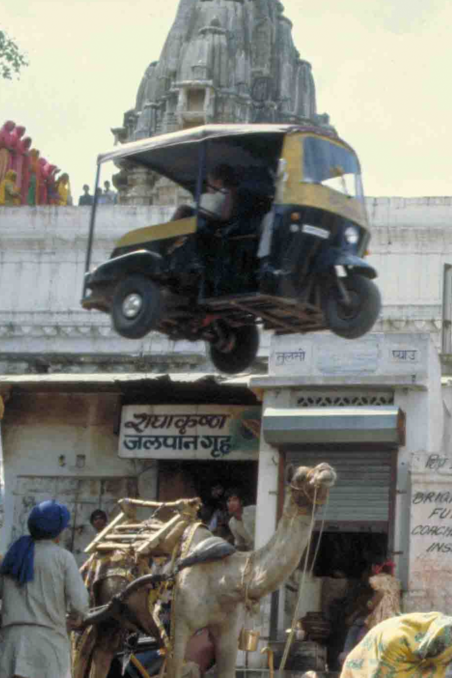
(362, 491)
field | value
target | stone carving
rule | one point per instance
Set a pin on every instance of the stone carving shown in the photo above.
(223, 61)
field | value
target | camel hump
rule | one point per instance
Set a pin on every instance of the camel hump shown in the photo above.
(208, 550)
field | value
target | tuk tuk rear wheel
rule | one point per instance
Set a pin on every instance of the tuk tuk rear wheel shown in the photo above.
(137, 307)
(355, 319)
(239, 352)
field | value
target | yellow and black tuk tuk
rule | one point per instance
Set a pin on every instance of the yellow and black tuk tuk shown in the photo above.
(289, 256)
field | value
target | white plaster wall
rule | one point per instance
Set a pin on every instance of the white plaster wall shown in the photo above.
(411, 242)
(425, 430)
(42, 257)
(38, 428)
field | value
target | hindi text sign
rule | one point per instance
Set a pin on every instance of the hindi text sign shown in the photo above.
(189, 432)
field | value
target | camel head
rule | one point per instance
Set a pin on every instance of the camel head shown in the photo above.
(310, 486)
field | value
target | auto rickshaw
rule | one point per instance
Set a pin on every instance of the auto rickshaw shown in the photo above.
(289, 259)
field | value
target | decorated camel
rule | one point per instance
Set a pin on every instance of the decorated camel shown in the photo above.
(212, 594)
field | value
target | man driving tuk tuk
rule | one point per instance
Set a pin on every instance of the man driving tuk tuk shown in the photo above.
(300, 185)
(218, 200)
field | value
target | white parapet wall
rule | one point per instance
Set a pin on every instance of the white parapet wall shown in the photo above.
(42, 264)
(42, 261)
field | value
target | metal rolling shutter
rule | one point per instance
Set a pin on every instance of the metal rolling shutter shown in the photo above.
(362, 492)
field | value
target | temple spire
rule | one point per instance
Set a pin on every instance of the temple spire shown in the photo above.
(223, 61)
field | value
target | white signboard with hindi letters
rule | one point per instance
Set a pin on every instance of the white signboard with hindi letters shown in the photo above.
(189, 432)
(324, 356)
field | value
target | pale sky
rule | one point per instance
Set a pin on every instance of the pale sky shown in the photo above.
(381, 70)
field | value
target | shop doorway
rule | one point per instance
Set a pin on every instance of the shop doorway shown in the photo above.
(182, 479)
(356, 527)
(178, 479)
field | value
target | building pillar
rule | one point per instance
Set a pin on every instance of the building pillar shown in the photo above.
(266, 516)
(2, 474)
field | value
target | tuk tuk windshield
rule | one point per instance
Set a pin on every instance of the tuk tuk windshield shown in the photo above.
(331, 165)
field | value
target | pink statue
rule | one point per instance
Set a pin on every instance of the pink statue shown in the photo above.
(6, 134)
(16, 135)
(5, 147)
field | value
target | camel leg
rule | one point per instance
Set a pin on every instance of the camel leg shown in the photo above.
(176, 658)
(101, 662)
(82, 658)
(226, 645)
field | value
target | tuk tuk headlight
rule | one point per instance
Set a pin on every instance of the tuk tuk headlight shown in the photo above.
(351, 235)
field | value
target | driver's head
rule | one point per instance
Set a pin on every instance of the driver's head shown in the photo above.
(222, 176)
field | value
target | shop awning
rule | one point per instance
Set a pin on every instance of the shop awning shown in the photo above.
(384, 425)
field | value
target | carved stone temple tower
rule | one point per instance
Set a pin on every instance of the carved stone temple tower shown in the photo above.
(223, 61)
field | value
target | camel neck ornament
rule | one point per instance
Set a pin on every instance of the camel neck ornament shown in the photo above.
(212, 595)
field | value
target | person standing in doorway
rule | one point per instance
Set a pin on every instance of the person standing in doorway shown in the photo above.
(218, 523)
(98, 520)
(242, 521)
(39, 583)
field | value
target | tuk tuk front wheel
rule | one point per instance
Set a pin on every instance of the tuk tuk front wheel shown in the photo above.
(137, 307)
(238, 352)
(353, 319)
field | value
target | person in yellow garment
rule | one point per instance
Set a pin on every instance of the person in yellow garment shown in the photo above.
(39, 584)
(416, 645)
(64, 190)
(9, 191)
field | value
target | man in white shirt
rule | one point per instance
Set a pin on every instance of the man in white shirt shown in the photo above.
(217, 202)
(39, 583)
(242, 522)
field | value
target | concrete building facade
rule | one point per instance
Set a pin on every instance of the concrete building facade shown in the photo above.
(67, 377)
(42, 260)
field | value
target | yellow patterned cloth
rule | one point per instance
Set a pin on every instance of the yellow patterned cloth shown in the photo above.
(417, 645)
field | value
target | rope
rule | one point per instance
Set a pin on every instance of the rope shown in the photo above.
(246, 584)
(302, 582)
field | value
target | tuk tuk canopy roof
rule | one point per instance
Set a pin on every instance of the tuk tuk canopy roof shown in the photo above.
(177, 155)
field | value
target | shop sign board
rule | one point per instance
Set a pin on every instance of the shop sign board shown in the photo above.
(431, 530)
(189, 432)
(324, 356)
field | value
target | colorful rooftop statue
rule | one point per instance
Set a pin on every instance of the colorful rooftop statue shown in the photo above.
(9, 191)
(34, 175)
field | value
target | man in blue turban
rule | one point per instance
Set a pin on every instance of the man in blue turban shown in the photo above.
(39, 584)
